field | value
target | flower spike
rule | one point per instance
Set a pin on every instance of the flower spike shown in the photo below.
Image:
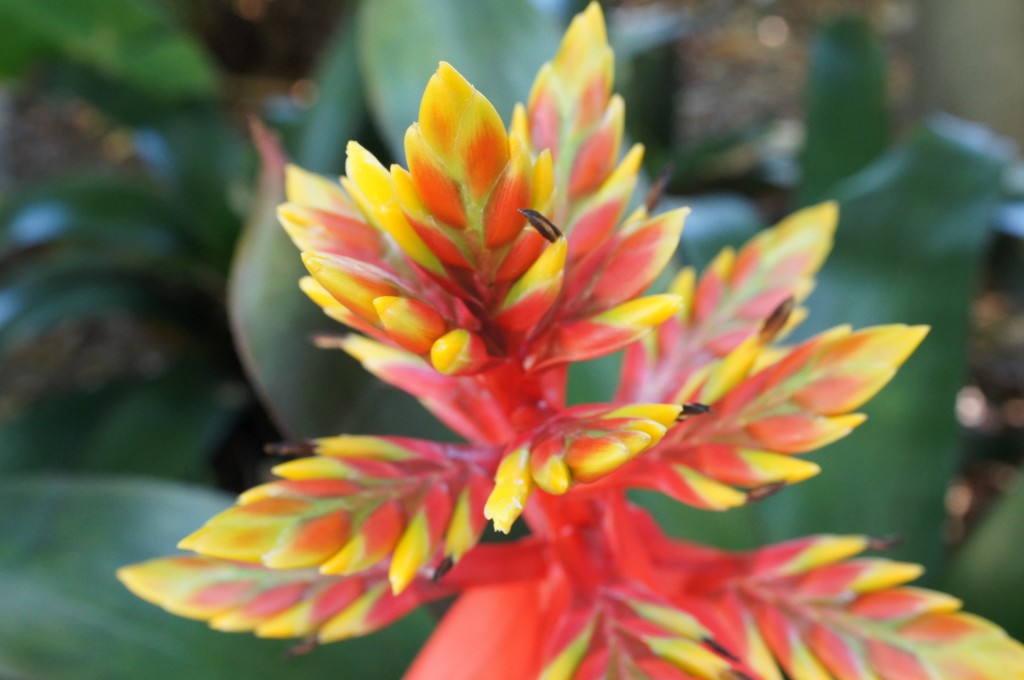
(472, 279)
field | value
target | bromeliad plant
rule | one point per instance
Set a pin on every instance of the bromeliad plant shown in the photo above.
(474, 279)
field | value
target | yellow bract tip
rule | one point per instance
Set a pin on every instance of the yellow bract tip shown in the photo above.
(772, 467)
(715, 495)
(512, 487)
(341, 562)
(461, 535)
(690, 656)
(683, 285)
(543, 181)
(553, 476)
(312, 190)
(352, 621)
(826, 550)
(665, 414)
(546, 267)
(410, 554)
(642, 312)
(317, 293)
(457, 351)
(139, 579)
(673, 620)
(563, 666)
(289, 623)
(628, 167)
(885, 574)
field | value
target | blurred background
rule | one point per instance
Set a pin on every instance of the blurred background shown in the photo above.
(152, 337)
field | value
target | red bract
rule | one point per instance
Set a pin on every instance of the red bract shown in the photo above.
(472, 280)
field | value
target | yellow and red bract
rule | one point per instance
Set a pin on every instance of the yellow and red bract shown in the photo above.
(472, 280)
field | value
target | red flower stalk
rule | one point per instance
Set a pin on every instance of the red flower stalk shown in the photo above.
(473, 279)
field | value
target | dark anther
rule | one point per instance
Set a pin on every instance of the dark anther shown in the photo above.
(884, 542)
(305, 448)
(710, 642)
(657, 191)
(740, 675)
(692, 408)
(303, 647)
(759, 493)
(542, 224)
(777, 319)
(443, 568)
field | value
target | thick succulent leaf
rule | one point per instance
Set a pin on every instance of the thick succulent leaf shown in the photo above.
(68, 617)
(300, 383)
(847, 107)
(339, 112)
(136, 42)
(800, 402)
(729, 303)
(808, 607)
(496, 42)
(355, 503)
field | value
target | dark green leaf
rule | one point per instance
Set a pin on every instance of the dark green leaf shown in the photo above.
(202, 158)
(66, 616)
(21, 48)
(309, 391)
(987, 571)
(847, 121)
(340, 110)
(165, 426)
(498, 45)
(105, 212)
(122, 39)
(44, 292)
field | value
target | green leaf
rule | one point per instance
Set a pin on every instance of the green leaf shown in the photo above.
(122, 39)
(340, 110)
(907, 250)
(847, 121)
(124, 427)
(99, 212)
(308, 391)
(203, 160)
(66, 616)
(987, 571)
(498, 45)
(44, 293)
(21, 49)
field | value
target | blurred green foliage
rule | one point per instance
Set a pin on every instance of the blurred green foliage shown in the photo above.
(192, 237)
